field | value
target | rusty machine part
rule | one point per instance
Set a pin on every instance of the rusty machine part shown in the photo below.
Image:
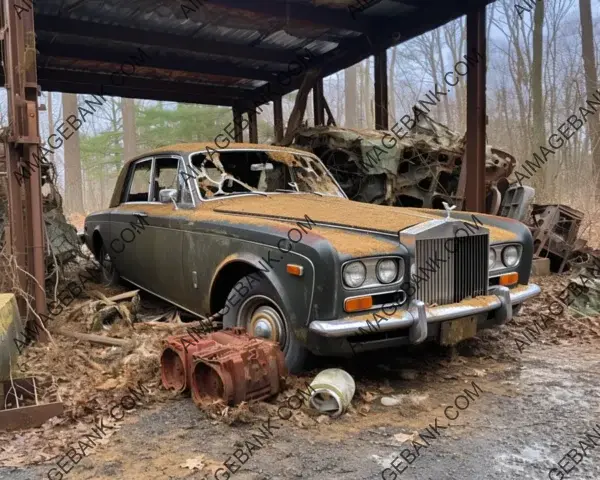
(554, 229)
(20, 406)
(176, 360)
(242, 370)
(227, 364)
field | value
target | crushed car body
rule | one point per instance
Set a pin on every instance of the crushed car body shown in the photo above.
(423, 168)
(266, 236)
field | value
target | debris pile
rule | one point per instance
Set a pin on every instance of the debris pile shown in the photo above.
(423, 169)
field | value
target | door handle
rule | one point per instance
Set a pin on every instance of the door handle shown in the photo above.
(140, 214)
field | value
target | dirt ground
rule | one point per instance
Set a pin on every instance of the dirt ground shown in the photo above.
(528, 410)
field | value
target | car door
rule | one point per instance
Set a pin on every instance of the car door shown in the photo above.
(130, 238)
(167, 236)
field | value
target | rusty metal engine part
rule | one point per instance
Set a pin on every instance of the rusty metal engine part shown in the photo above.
(176, 360)
(239, 368)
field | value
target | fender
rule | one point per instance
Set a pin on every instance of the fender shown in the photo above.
(292, 305)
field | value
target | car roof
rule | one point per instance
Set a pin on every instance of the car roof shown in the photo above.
(186, 148)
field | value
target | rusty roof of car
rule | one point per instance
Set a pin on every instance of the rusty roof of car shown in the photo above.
(198, 146)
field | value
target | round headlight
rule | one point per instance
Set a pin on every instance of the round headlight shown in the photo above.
(510, 256)
(387, 271)
(491, 258)
(354, 274)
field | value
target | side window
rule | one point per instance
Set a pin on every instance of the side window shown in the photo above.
(166, 177)
(139, 185)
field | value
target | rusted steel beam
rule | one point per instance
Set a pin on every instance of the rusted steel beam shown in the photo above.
(238, 131)
(58, 77)
(278, 118)
(63, 26)
(125, 91)
(330, 117)
(23, 141)
(476, 114)
(318, 107)
(381, 91)
(154, 60)
(253, 126)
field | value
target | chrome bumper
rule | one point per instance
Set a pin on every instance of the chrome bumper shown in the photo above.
(417, 316)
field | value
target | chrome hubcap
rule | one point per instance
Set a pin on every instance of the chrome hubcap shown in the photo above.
(262, 319)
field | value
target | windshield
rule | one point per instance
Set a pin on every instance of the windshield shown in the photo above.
(228, 172)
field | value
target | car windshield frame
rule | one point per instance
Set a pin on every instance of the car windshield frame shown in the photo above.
(191, 167)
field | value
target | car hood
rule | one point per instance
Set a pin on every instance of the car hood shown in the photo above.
(339, 212)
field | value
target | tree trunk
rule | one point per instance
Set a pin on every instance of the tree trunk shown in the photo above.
(129, 138)
(591, 81)
(73, 178)
(391, 89)
(350, 100)
(536, 78)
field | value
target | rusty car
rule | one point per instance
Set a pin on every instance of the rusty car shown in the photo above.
(266, 236)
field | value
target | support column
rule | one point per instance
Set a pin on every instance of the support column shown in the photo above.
(476, 113)
(381, 91)
(318, 105)
(278, 119)
(253, 121)
(238, 131)
(27, 231)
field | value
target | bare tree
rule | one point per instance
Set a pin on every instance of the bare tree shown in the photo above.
(73, 178)
(129, 137)
(591, 79)
(350, 81)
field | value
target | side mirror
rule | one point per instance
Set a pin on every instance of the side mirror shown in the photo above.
(167, 195)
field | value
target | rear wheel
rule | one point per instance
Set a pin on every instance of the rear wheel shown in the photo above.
(262, 314)
(110, 275)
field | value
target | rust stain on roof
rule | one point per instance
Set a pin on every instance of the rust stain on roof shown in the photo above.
(195, 147)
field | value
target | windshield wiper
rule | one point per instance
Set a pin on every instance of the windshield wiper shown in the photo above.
(297, 191)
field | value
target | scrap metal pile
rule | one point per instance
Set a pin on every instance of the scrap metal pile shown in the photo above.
(423, 169)
(555, 230)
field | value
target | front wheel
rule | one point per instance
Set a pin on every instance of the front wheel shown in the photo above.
(261, 312)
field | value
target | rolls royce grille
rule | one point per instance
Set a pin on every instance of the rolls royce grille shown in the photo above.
(451, 269)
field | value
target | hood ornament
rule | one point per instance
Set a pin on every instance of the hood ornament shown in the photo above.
(448, 210)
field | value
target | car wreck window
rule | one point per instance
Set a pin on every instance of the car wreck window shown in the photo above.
(166, 177)
(140, 182)
(246, 171)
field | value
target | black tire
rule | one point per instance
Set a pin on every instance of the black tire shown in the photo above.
(263, 304)
(110, 274)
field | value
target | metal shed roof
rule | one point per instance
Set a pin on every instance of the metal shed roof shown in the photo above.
(219, 52)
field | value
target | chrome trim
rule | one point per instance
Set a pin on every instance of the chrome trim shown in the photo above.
(417, 316)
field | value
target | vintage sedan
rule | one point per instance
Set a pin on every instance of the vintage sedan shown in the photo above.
(266, 236)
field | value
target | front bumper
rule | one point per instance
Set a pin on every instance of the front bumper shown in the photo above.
(418, 316)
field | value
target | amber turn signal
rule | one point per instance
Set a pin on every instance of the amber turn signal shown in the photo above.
(359, 303)
(293, 269)
(509, 279)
